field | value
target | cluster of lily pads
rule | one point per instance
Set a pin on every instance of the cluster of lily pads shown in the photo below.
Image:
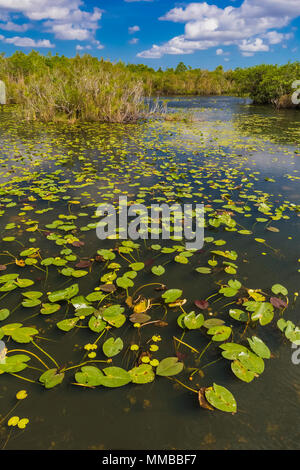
(116, 294)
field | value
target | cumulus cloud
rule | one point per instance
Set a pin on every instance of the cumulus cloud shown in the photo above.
(246, 26)
(134, 41)
(133, 29)
(10, 26)
(27, 42)
(64, 18)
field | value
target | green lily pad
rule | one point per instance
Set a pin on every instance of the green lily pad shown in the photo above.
(219, 333)
(115, 377)
(68, 324)
(259, 347)
(112, 347)
(169, 366)
(51, 378)
(4, 314)
(279, 289)
(171, 295)
(221, 398)
(142, 374)
(65, 294)
(193, 321)
(158, 270)
(264, 313)
(89, 375)
(242, 372)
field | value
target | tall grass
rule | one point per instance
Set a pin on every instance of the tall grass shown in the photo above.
(76, 89)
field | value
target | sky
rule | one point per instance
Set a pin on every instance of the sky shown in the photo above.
(158, 33)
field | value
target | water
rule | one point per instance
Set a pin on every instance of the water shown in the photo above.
(232, 143)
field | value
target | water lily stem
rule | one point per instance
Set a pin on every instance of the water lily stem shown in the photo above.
(183, 385)
(205, 349)
(6, 416)
(146, 285)
(187, 345)
(48, 355)
(29, 352)
(82, 364)
(23, 378)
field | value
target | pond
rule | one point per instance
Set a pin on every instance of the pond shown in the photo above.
(243, 163)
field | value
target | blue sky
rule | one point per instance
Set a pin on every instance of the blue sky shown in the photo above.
(159, 33)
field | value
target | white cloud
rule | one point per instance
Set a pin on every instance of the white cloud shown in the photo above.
(70, 32)
(219, 52)
(273, 37)
(133, 29)
(97, 44)
(134, 41)
(27, 42)
(177, 45)
(64, 18)
(79, 47)
(10, 26)
(253, 46)
(243, 26)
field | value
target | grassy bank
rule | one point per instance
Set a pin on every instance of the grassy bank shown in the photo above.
(50, 88)
(55, 88)
(269, 84)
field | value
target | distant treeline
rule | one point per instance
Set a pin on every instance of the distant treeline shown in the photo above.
(53, 87)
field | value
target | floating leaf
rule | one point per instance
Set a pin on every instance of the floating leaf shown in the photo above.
(14, 364)
(221, 398)
(279, 289)
(219, 333)
(4, 314)
(142, 374)
(48, 309)
(264, 313)
(68, 324)
(193, 321)
(89, 375)
(51, 378)
(242, 372)
(171, 295)
(259, 347)
(158, 270)
(65, 294)
(169, 366)
(238, 315)
(115, 377)
(112, 347)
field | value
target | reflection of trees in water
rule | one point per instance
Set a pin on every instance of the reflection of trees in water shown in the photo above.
(277, 125)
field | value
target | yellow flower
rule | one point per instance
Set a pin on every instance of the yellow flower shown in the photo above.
(154, 362)
(145, 359)
(23, 423)
(156, 338)
(13, 421)
(154, 348)
(21, 395)
(134, 347)
(92, 355)
(136, 325)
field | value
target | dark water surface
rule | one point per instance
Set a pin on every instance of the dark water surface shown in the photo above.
(231, 143)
